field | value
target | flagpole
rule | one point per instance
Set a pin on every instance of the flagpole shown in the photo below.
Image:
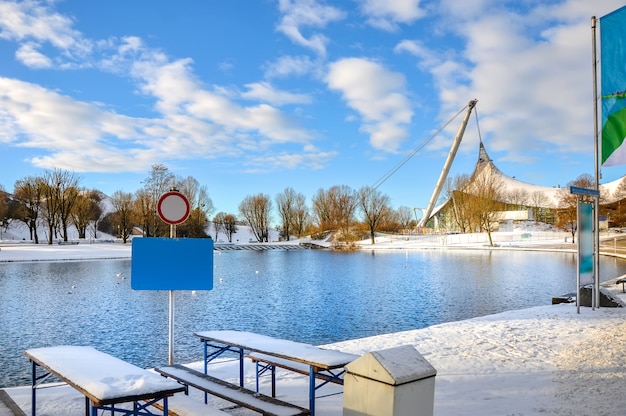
(596, 203)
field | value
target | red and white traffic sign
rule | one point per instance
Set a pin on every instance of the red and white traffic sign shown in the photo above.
(173, 207)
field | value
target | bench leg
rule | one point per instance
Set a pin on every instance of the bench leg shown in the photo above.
(261, 368)
(165, 411)
(33, 393)
(312, 390)
(273, 381)
(241, 367)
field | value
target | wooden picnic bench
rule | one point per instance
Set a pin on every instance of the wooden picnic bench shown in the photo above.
(266, 362)
(231, 392)
(325, 364)
(104, 380)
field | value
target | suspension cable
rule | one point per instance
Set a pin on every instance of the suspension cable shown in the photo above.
(480, 137)
(408, 157)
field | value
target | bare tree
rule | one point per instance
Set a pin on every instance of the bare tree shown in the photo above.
(256, 210)
(287, 204)
(219, 222)
(201, 207)
(160, 181)
(343, 203)
(86, 210)
(460, 201)
(60, 190)
(301, 216)
(334, 209)
(487, 192)
(29, 193)
(204, 204)
(404, 216)
(145, 211)
(230, 223)
(123, 205)
(375, 208)
(67, 192)
(322, 210)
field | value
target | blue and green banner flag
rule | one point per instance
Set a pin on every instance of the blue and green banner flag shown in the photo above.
(613, 87)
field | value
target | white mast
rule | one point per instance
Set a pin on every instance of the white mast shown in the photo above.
(446, 167)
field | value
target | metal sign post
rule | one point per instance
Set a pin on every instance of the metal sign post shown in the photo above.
(173, 208)
(171, 263)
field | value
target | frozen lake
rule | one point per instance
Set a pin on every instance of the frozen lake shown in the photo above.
(311, 296)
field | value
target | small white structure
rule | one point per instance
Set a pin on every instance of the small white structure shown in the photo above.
(397, 381)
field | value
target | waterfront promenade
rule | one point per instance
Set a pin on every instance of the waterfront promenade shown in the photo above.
(542, 360)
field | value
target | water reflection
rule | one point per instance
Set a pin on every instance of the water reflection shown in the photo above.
(311, 296)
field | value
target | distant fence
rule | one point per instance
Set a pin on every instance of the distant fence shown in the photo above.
(474, 238)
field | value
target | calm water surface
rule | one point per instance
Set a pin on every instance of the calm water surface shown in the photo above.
(311, 296)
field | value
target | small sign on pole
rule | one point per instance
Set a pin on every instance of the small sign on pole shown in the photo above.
(173, 207)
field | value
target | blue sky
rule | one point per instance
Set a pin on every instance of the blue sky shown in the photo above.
(255, 96)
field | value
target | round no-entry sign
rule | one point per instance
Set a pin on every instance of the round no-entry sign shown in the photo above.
(173, 207)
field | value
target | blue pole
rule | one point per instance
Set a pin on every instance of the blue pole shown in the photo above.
(312, 390)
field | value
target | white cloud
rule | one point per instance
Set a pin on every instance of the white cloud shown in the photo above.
(289, 65)
(307, 158)
(378, 95)
(386, 14)
(49, 119)
(428, 58)
(31, 57)
(300, 14)
(29, 21)
(179, 92)
(74, 132)
(529, 68)
(265, 92)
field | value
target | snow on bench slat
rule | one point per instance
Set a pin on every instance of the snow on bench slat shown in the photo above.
(99, 374)
(279, 362)
(235, 393)
(182, 405)
(290, 350)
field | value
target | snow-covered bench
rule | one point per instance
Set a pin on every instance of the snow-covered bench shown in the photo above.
(265, 362)
(231, 392)
(104, 380)
(322, 363)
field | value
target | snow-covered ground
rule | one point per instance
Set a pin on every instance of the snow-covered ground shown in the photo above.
(547, 360)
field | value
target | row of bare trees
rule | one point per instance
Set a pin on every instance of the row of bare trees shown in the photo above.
(334, 209)
(56, 200)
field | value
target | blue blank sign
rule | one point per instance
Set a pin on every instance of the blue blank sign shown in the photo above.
(172, 264)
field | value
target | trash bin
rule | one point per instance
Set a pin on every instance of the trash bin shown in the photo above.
(397, 381)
